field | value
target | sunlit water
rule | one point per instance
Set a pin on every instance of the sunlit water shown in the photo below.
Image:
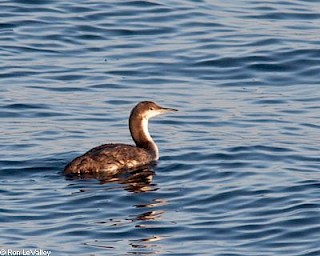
(239, 169)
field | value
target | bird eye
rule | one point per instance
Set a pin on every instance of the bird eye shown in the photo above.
(151, 108)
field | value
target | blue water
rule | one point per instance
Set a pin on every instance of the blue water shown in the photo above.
(239, 168)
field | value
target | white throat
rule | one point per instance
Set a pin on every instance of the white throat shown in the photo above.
(145, 130)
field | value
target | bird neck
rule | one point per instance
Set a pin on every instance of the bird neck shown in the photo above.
(140, 134)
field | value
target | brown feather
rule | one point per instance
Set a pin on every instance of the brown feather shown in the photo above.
(110, 158)
(113, 158)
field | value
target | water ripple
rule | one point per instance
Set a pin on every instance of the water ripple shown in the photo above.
(238, 172)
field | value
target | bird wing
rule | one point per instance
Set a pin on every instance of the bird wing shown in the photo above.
(109, 158)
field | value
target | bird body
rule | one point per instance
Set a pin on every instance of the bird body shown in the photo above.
(114, 158)
(109, 158)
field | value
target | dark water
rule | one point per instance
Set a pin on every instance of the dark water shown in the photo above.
(239, 169)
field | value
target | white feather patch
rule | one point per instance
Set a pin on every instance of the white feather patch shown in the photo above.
(146, 132)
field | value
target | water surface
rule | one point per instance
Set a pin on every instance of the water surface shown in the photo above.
(239, 167)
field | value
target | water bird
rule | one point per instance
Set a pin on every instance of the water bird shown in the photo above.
(115, 158)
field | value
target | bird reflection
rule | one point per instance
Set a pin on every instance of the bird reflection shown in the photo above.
(151, 215)
(148, 215)
(148, 220)
(137, 181)
(146, 246)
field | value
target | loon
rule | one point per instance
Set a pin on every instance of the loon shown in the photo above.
(112, 159)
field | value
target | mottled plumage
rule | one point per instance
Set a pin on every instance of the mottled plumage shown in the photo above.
(114, 158)
(109, 158)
